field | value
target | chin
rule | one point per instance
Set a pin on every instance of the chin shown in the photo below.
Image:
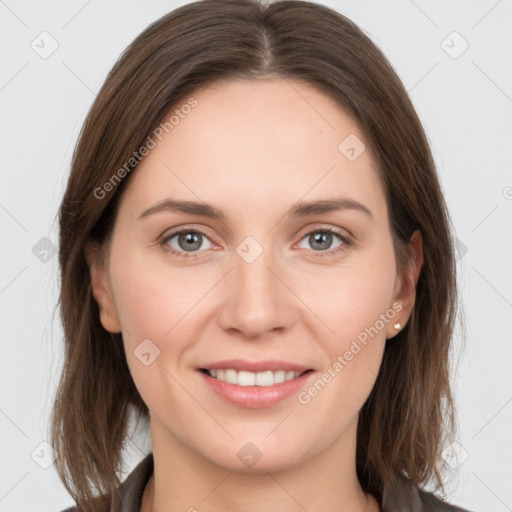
(258, 457)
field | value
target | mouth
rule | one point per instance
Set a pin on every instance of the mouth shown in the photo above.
(254, 385)
(266, 378)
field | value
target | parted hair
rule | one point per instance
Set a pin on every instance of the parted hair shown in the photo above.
(409, 416)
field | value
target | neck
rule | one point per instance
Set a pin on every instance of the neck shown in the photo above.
(183, 480)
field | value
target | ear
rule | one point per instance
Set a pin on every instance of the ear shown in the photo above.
(405, 286)
(101, 288)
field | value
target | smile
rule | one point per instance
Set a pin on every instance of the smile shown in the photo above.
(245, 378)
(254, 390)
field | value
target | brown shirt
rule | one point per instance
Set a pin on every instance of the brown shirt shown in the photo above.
(400, 499)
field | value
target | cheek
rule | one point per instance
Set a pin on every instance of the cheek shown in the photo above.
(154, 300)
(163, 305)
(351, 298)
(355, 303)
(167, 306)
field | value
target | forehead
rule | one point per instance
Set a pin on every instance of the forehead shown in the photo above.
(265, 142)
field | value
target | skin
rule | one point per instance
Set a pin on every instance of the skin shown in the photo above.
(253, 149)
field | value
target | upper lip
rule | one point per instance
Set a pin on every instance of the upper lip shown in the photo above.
(255, 366)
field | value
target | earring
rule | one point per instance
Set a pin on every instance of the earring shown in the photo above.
(397, 326)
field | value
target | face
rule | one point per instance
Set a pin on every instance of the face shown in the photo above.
(293, 288)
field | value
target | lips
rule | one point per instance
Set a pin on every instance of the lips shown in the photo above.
(256, 397)
(245, 378)
(255, 384)
(255, 366)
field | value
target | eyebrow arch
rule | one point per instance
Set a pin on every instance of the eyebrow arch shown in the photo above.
(301, 209)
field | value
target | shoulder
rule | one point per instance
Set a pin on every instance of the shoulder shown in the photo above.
(431, 503)
(402, 496)
(129, 494)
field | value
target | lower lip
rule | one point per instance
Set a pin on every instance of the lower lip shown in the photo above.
(256, 397)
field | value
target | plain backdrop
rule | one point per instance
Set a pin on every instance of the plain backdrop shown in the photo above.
(454, 59)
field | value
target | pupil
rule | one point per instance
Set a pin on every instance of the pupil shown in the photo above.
(191, 241)
(322, 237)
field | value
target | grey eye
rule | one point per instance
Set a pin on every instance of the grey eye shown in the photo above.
(188, 241)
(321, 240)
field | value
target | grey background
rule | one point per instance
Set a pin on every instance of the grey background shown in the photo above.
(465, 103)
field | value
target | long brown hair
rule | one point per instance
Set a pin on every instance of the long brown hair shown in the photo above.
(409, 415)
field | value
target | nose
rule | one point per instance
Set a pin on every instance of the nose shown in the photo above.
(256, 298)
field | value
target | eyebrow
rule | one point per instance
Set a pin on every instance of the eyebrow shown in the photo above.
(300, 209)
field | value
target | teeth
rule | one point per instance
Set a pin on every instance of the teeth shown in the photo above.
(243, 378)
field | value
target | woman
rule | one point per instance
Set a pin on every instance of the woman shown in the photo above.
(256, 260)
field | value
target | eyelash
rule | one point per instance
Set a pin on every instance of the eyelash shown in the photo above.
(347, 240)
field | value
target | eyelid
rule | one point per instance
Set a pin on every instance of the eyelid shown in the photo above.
(346, 237)
(167, 235)
(342, 232)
